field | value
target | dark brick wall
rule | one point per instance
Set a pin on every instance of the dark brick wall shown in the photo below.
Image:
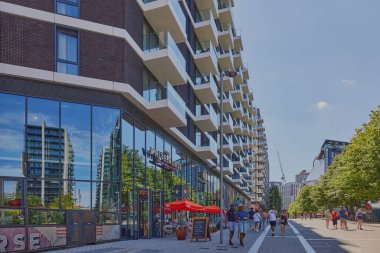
(44, 5)
(134, 19)
(27, 42)
(109, 12)
(133, 69)
(101, 56)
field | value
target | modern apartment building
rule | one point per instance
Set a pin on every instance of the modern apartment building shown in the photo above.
(301, 177)
(289, 192)
(132, 89)
(262, 163)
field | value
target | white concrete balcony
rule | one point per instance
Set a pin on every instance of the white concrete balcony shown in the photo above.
(227, 102)
(245, 101)
(225, 36)
(245, 129)
(205, 89)
(208, 4)
(237, 162)
(205, 57)
(236, 179)
(205, 27)
(206, 118)
(238, 44)
(238, 146)
(228, 147)
(225, 59)
(206, 146)
(238, 60)
(164, 105)
(238, 79)
(225, 11)
(244, 172)
(244, 186)
(166, 15)
(245, 87)
(228, 83)
(245, 143)
(237, 112)
(163, 58)
(228, 124)
(245, 73)
(238, 130)
(237, 94)
(228, 168)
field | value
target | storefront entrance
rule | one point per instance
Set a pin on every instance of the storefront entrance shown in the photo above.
(150, 213)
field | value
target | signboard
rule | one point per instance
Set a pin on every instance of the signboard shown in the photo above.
(163, 159)
(200, 228)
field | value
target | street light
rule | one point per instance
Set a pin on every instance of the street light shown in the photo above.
(229, 73)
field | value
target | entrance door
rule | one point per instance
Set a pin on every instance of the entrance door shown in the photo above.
(157, 213)
(145, 211)
(129, 212)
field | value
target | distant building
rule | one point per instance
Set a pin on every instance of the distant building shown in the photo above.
(301, 177)
(273, 184)
(329, 150)
(289, 192)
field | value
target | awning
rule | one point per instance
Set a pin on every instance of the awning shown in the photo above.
(186, 205)
(213, 209)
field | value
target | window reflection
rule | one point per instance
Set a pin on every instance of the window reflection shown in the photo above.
(140, 151)
(107, 195)
(76, 129)
(12, 121)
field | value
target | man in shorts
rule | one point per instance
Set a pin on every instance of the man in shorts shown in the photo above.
(272, 219)
(231, 217)
(343, 215)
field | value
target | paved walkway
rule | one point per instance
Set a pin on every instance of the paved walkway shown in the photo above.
(301, 236)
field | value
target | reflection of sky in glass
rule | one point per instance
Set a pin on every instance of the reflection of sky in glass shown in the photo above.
(12, 120)
(140, 140)
(43, 110)
(76, 120)
(127, 134)
(104, 121)
(82, 194)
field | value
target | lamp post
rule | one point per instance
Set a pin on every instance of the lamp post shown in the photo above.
(229, 73)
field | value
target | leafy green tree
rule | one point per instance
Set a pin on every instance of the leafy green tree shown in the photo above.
(275, 198)
(305, 200)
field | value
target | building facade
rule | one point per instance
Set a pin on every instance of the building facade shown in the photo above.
(301, 177)
(109, 110)
(289, 192)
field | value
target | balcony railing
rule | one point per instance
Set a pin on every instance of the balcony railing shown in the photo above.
(204, 47)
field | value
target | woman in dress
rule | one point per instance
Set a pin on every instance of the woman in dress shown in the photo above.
(328, 218)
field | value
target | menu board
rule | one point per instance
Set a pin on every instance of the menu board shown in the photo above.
(200, 228)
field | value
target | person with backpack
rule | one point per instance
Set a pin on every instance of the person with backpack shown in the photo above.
(284, 221)
(250, 216)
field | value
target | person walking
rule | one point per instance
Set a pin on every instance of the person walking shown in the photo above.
(272, 219)
(242, 223)
(265, 218)
(284, 221)
(251, 213)
(231, 217)
(328, 218)
(335, 216)
(359, 217)
(256, 220)
(343, 215)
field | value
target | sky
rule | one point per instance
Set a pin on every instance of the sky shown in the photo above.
(314, 70)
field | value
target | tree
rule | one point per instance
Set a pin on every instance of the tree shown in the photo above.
(305, 201)
(275, 198)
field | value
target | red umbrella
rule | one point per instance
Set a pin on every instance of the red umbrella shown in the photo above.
(186, 205)
(15, 202)
(214, 209)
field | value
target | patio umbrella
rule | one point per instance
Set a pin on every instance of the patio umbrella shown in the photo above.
(186, 205)
(213, 209)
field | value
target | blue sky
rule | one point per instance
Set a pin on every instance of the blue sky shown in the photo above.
(315, 72)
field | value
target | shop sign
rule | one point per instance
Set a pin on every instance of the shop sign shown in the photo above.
(14, 239)
(181, 191)
(164, 159)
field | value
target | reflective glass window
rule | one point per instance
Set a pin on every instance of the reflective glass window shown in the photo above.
(159, 169)
(11, 192)
(67, 51)
(68, 7)
(105, 143)
(106, 196)
(150, 159)
(47, 193)
(76, 141)
(140, 152)
(12, 121)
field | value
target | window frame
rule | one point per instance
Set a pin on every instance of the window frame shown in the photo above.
(67, 2)
(68, 32)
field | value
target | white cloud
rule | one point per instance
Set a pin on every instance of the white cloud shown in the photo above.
(348, 82)
(322, 105)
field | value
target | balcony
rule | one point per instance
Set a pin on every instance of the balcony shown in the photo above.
(238, 61)
(238, 128)
(206, 118)
(228, 124)
(237, 112)
(245, 129)
(228, 83)
(245, 101)
(238, 79)
(165, 106)
(163, 58)
(244, 172)
(174, 21)
(205, 57)
(225, 36)
(244, 186)
(237, 160)
(225, 11)
(238, 145)
(227, 102)
(206, 146)
(228, 147)
(236, 179)
(208, 4)
(245, 115)
(245, 74)
(260, 175)
(238, 44)
(228, 168)
(225, 59)
(245, 143)
(205, 26)
(244, 87)
(205, 89)
(237, 94)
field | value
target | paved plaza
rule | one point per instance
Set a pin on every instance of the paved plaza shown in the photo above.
(301, 236)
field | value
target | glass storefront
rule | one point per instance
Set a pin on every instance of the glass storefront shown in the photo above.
(60, 161)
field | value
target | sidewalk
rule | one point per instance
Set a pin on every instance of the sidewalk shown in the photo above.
(170, 245)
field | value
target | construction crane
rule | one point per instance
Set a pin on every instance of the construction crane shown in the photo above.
(282, 170)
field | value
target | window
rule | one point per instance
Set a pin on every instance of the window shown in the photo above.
(68, 7)
(67, 51)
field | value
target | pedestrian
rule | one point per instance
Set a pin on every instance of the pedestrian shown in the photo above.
(335, 216)
(231, 217)
(343, 215)
(250, 216)
(265, 218)
(272, 219)
(284, 221)
(359, 218)
(327, 217)
(256, 220)
(242, 216)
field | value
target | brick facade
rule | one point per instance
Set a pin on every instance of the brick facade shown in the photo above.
(27, 42)
(110, 12)
(43, 5)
